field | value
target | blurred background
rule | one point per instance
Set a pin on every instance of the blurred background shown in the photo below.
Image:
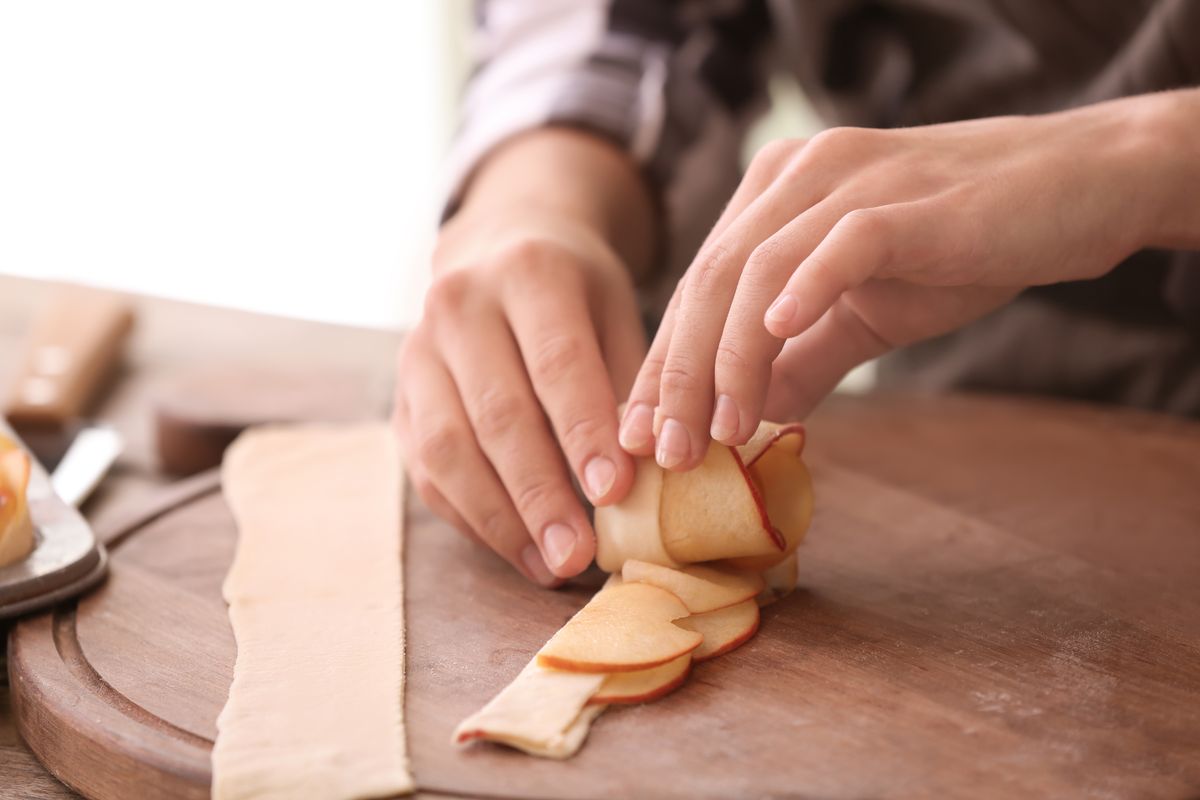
(282, 156)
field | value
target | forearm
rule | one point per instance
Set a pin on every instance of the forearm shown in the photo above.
(576, 174)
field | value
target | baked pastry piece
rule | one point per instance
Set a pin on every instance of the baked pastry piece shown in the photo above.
(16, 528)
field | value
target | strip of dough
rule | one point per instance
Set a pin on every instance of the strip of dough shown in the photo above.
(316, 602)
(543, 712)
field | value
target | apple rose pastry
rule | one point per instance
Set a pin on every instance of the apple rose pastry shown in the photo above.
(692, 555)
(16, 529)
(749, 506)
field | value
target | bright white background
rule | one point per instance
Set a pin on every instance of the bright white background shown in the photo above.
(278, 155)
(282, 156)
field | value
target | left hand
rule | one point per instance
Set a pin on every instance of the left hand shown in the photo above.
(836, 249)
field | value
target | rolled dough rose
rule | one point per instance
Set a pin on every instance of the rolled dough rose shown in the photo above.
(749, 505)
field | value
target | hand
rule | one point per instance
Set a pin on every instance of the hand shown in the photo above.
(859, 240)
(506, 386)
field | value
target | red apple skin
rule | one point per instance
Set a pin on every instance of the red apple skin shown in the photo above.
(783, 430)
(733, 644)
(759, 502)
(661, 691)
(553, 662)
(764, 562)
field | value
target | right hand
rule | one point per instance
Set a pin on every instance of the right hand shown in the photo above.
(507, 387)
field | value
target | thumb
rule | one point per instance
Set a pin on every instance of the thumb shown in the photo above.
(811, 364)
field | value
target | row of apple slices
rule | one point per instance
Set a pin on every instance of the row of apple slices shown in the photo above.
(634, 642)
(647, 624)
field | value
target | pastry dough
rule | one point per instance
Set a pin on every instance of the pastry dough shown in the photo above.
(316, 603)
(16, 527)
(543, 712)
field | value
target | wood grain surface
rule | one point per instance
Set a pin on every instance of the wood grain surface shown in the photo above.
(994, 634)
(999, 599)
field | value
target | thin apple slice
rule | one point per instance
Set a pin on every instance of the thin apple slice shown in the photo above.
(625, 627)
(543, 712)
(701, 588)
(783, 480)
(767, 435)
(645, 684)
(630, 529)
(724, 629)
(715, 511)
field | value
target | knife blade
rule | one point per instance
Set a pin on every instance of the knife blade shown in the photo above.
(92, 453)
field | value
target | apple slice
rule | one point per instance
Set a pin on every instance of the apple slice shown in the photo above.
(701, 588)
(724, 629)
(715, 511)
(779, 473)
(16, 528)
(625, 627)
(645, 684)
(766, 436)
(630, 529)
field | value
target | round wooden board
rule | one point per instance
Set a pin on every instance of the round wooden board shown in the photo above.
(999, 599)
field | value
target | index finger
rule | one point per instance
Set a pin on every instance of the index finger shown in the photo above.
(553, 326)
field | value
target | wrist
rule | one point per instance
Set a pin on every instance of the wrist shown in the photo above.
(1164, 129)
(569, 174)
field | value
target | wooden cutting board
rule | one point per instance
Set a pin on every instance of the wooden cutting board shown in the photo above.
(1000, 598)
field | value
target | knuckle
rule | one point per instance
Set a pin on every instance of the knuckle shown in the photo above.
(556, 356)
(772, 155)
(448, 294)
(496, 412)
(821, 270)
(424, 488)
(730, 360)
(524, 259)
(841, 140)
(580, 435)
(652, 368)
(865, 222)
(536, 496)
(440, 447)
(678, 380)
(708, 270)
(414, 346)
(765, 257)
(873, 227)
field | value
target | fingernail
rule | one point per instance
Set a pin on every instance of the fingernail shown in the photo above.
(636, 427)
(674, 444)
(558, 542)
(783, 310)
(725, 420)
(531, 557)
(659, 416)
(599, 474)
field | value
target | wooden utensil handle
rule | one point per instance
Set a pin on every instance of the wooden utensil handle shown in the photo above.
(73, 346)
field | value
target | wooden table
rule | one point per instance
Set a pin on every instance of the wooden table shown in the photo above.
(1012, 579)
